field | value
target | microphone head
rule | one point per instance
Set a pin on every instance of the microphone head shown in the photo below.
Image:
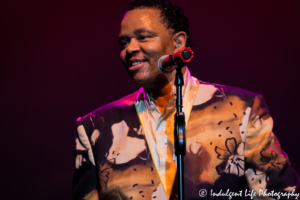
(186, 55)
(164, 64)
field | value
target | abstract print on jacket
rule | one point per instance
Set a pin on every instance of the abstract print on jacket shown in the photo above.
(229, 145)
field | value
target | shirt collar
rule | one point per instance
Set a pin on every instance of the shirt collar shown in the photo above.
(143, 95)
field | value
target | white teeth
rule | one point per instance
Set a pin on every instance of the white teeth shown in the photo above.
(136, 63)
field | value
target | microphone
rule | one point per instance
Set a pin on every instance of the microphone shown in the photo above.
(167, 63)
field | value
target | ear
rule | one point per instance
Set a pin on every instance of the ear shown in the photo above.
(179, 39)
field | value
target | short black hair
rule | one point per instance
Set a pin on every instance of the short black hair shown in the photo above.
(172, 15)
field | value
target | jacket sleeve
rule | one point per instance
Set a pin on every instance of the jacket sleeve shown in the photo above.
(267, 167)
(85, 183)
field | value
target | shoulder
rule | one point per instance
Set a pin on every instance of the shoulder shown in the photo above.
(124, 103)
(226, 90)
(115, 108)
(229, 90)
(216, 92)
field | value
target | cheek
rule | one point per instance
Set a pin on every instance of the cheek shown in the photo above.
(160, 48)
(153, 50)
(122, 56)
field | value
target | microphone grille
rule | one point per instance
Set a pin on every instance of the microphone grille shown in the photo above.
(186, 55)
(161, 62)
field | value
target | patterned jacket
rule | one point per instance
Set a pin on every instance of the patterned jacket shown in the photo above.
(230, 147)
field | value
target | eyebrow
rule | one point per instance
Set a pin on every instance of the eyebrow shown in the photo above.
(140, 30)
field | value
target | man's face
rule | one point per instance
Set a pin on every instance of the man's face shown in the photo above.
(144, 39)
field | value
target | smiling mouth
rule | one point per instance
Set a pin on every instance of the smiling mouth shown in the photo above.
(135, 65)
(137, 62)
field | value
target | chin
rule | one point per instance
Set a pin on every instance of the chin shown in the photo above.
(142, 83)
(145, 82)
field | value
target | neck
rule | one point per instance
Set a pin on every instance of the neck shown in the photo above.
(164, 92)
(163, 96)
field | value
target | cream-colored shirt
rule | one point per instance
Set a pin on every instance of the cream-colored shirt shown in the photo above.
(159, 128)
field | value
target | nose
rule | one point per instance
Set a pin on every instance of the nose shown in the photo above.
(133, 47)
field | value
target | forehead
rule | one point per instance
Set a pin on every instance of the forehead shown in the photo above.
(148, 18)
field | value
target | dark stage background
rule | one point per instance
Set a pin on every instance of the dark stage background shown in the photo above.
(60, 60)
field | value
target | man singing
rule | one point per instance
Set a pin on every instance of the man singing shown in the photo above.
(125, 149)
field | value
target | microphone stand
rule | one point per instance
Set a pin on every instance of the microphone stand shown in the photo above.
(179, 132)
(166, 64)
